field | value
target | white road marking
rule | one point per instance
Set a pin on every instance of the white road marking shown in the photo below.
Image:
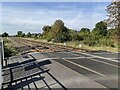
(91, 58)
(62, 52)
(103, 53)
(70, 53)
(74, 54)
(98, 57)
(104, 62)
(48, 59)
(84, 68)
(77, 57)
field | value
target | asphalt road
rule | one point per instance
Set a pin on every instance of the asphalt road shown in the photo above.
(102, 67)
(99, 66)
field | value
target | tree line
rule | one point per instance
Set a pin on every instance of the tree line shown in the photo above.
(99, 35)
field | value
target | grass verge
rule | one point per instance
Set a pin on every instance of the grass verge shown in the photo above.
(8, 48)
(86, 47)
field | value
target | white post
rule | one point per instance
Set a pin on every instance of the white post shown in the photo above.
(64, 44)
(80, 45)
(2, 49)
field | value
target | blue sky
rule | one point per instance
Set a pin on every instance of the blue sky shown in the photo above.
(32, 16)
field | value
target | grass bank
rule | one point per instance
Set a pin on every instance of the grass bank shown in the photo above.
(92, 48)
(9, 50)
(76, 44)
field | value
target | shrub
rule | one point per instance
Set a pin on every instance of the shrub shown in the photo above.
(9, 51)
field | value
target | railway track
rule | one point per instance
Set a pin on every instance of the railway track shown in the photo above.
(25, 45)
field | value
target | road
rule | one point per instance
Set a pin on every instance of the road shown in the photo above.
(96, 66)
(99, 66)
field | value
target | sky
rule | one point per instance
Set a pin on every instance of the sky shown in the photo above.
(32, 16)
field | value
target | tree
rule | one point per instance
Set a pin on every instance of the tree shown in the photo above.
(28, 34)
(58, 27)
(5, 34)
(114, 17)
(85, 30)
(84, 33)
(62, 37)
(19, 33)
(100, 29)
(114, 14)
(47, 33)
(57, 32)
(34, 35)
(46, 29)
(23, 35)
(73, 35)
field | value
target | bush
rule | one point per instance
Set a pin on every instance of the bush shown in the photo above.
(62, 37)
(106, 42)
(90, 42)
(9, 52)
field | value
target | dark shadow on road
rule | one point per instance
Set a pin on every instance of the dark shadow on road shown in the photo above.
(57, 81)
(24, 83)
(21, 74)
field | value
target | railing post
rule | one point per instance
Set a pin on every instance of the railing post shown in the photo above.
(1, 61)
(1, 53)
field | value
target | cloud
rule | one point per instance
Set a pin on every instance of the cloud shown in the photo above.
(0, 17)
(89, 19)
(34, 19)
(56, 0)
